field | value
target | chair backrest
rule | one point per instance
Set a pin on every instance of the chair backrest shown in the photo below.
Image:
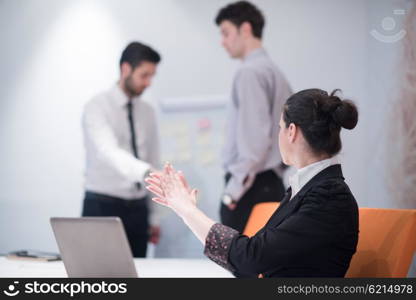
(386, 244)
(259, 216)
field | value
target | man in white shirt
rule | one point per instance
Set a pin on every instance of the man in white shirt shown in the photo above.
(121, 142)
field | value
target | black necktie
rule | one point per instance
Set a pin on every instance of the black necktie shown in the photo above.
(132, 130)
(133, 134)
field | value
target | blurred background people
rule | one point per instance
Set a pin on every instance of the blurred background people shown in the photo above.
(251, 157)
(121, 143)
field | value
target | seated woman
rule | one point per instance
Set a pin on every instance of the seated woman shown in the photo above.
(314, 232)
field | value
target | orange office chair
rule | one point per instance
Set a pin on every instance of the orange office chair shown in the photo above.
(386, 244)
(259, 216)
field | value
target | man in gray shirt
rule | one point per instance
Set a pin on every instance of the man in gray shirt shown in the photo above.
(251, 156)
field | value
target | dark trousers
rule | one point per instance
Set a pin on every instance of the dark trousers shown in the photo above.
(133, 214)
(267, 187)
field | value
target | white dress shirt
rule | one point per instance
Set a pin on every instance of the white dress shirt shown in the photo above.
(303, 175)
(111, 167)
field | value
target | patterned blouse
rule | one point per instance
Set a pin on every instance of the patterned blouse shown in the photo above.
(218, 243)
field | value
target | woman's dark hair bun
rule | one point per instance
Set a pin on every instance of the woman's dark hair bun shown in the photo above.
(345, 113)
(320, 116)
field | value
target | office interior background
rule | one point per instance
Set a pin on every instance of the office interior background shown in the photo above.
(56, 55)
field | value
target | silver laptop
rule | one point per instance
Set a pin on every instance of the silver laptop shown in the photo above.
(94, 247)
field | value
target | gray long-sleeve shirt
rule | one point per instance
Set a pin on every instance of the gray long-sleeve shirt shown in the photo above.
(258, 94)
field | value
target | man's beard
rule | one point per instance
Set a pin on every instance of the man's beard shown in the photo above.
(130, 89)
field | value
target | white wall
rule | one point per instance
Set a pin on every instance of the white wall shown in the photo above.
(56, 54)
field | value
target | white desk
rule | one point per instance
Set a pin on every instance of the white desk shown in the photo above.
(149, 267)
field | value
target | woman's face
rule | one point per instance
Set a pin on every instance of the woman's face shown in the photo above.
(284, 141)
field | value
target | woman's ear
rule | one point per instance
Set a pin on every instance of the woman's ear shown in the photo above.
(293, 132)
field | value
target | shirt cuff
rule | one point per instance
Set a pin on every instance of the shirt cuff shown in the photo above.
(235, 189)
(217, 245)
(154, 219)
(144, 173)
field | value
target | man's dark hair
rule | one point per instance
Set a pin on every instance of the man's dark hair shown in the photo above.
(240, 12)
(136, 53)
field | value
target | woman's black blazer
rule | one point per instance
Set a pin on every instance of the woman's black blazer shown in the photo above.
(314, 234)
